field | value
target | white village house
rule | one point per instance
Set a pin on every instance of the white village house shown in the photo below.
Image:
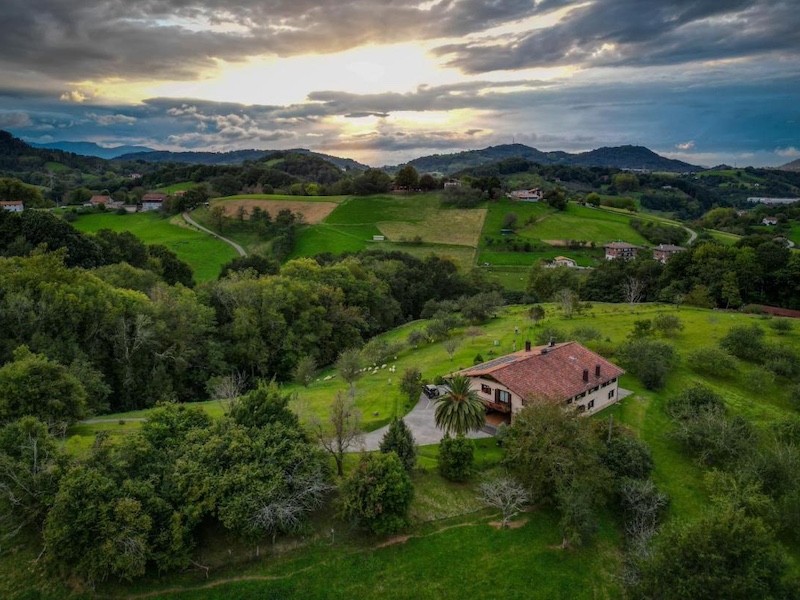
(12, 205)
(566, 373)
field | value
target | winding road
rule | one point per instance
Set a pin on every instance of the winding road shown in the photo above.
(231, 243)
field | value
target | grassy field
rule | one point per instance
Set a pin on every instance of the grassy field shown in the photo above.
(177, 187)
(420, 215)
(204, 253)
(451, 550)
(547, 230)
(727, 239)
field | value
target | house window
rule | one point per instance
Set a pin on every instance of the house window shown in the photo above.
(486, 389)
(503, 397)
(590, 405)
(594, 389)
(610, 394)
(581, 395)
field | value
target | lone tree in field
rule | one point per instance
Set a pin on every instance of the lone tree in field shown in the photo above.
(505, 494)
(451, 345)
(632, 291)
(349, 366)
(460, 410)
(342, 431)
(398, 439)
(536, 314)
(304, 371)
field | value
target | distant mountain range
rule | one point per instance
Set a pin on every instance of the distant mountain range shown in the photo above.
(792, 166)
(91, 149)
(236, 157)
(619, 157)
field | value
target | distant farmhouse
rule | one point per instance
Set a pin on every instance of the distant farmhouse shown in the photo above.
(769, 221)
(563, 261)
(152, 201)
(534, 195)
(566, 373)
(621, 250)
(13, 205)
(452, 183)
(767, 200)
(663, 252)
(96, 201)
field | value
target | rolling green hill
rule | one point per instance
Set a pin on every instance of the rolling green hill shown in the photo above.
(203, 253)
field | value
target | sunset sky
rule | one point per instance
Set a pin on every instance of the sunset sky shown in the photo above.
(383, 81)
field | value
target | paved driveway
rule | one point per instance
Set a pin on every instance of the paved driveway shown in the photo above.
(422, 425)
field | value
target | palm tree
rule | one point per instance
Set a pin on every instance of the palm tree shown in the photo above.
(460, 410)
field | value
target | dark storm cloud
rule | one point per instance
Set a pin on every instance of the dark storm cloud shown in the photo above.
(641, 33)
(177, 39)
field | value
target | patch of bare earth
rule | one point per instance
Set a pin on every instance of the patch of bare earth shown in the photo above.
(509, 525)
(313, 212)
(400, 539)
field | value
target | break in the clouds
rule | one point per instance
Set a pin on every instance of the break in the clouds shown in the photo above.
(387, 80)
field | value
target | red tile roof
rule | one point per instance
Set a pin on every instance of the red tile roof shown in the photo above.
(11, 203)
(621, 245)
(548, 372)
(99, 200)
(154, 197)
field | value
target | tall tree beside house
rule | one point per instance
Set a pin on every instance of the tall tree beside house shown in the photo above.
(460, 410)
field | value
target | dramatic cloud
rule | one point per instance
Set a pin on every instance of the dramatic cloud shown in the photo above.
(632, 32)
(709, 79)
(95, 39)
(789, 152)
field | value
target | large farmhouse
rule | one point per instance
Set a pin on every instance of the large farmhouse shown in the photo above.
(566, 373)
(12, 205)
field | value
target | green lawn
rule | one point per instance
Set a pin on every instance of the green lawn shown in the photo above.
(727, 239)
(537, 224)
(336, 239)
(587, 224)
(204, 253)
(56, 167)
(177, 187)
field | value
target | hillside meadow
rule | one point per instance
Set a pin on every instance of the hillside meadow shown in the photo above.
(204, 253)
(451, 550)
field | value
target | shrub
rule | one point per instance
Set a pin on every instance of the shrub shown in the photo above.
(693, 401)
(548, 334)
(410, 384)
(715, 439)
(712, 361)
(627, 456)
(781, 326)
(745, 342)
(650, 360)
(456, 458)
(586, 334)
(782, 360)
(377, 494)
(667, 325)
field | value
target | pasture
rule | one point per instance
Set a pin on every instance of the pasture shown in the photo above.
(204, 253)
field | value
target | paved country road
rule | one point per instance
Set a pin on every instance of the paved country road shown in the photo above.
(234, 245)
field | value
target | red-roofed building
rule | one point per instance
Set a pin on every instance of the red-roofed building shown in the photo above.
(12, 205)
(152, 201)
(567, 373)
(96, 201)
(621, 250)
